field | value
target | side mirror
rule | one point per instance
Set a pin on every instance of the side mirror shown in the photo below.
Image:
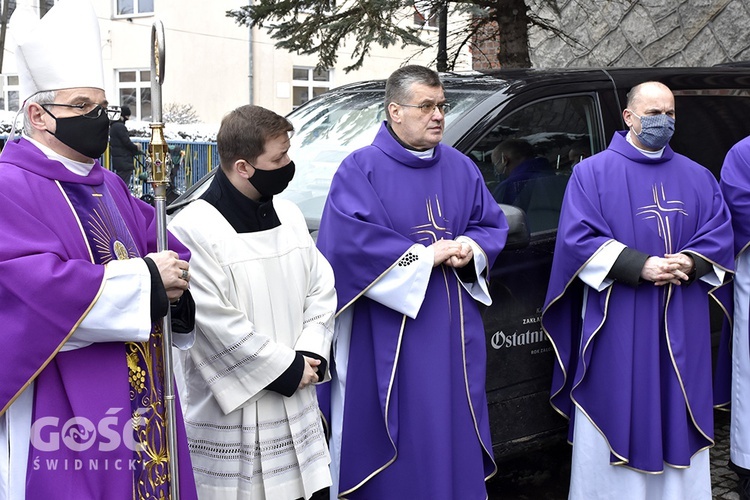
(518, 227)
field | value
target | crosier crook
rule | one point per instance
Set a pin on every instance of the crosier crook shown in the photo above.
(160, 164)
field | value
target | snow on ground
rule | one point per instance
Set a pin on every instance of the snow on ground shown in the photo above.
(197, 132)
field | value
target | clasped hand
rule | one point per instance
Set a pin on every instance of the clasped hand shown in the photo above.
(672, 268)
(452, 253)
(174, 272)
(310, 375)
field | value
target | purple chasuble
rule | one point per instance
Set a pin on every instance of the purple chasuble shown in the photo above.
(415, 417)
(735, 186)
(639, 363)
(97, 421)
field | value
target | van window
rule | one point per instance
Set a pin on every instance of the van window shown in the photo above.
(708, 123)
(527, 157)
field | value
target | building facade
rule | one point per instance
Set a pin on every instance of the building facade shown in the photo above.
(212, 64)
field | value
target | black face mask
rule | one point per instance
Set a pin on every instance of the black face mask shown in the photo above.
(271, 182)
(88, 136)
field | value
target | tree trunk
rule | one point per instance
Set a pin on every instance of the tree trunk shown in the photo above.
(513, 22)
(442, 55)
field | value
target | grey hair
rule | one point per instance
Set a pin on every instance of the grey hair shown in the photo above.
(44, 97)
(398, 86)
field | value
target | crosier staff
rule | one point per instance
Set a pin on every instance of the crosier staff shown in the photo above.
(160, 166)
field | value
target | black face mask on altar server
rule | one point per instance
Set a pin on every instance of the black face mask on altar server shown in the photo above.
(271, 182)
(84, 134)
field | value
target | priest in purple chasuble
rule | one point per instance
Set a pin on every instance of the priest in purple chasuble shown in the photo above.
(644, 241)
(735, 185)
(411, 233)
(82, 289)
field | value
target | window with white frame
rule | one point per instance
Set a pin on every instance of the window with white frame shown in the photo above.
(9, 96)
(134, 7)
(308, 83)
(41, 6)
(134, 91)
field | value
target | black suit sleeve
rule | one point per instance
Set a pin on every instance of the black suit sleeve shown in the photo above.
(628, 266)
(466, 273)
(159, 299)
(183, 314)
(286, 384)
(322, 367)
(701, 267)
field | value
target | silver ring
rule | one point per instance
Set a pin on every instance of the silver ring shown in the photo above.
(185, 274)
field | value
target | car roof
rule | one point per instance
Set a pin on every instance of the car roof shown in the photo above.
(505, 82)
(677, 78)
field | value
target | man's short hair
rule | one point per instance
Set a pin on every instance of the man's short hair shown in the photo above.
(244, 132)
(44, 97)
(398, 85)
(124, 111)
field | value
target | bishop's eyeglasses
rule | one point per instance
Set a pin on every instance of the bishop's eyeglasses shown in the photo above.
(87, 109)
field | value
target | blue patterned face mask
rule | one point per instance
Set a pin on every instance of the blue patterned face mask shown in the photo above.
(656, 130)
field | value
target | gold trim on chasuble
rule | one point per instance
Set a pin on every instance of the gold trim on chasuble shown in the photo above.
(429, 231)
(429, 239)
(466, 381)
(659, 211)
(387, 406)
(108, 238)
(427, 234)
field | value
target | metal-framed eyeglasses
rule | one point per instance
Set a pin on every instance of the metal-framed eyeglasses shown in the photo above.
(87, 110)
(428, 108)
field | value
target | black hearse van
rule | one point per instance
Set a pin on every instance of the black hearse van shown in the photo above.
(564, 114)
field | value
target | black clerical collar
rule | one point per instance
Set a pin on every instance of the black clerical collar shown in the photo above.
(398, 139)
(244, 215)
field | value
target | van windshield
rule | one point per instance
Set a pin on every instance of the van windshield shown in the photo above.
(327, 129)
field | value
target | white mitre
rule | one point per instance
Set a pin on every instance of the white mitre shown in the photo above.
(62, 50)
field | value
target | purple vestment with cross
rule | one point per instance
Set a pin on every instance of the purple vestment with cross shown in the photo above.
(415, 417)
(637, 361)
(735, 185)
(56, 236)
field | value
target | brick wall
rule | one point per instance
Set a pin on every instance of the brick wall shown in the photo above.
(484, 53)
